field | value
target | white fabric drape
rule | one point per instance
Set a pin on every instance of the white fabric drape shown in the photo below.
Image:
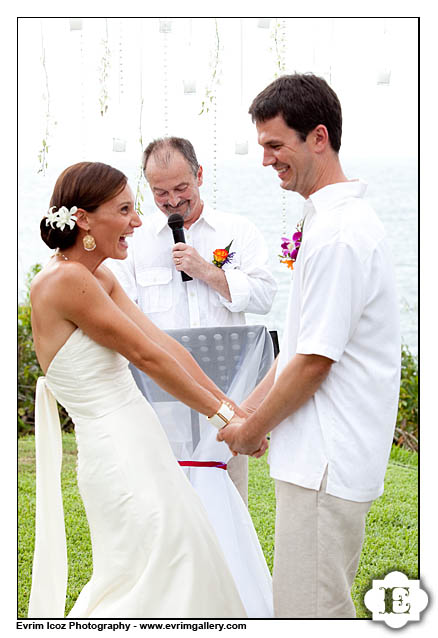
(236, 358)
(49, 574)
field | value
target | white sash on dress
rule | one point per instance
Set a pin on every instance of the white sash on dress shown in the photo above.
(50, 569)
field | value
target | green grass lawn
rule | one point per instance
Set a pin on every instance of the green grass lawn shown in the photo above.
(391, 541)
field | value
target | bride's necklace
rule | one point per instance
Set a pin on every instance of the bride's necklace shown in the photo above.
(59, 254)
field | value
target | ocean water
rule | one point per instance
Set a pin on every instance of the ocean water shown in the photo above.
(241, 185)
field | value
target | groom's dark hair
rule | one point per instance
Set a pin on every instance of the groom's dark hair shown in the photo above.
(304, 101)
(164, 147)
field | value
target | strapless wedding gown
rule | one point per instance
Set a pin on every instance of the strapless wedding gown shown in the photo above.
(155, 554)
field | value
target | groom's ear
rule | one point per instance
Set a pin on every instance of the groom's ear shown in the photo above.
(82, 219)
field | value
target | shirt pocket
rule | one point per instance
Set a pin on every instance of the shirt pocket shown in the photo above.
(155, 289)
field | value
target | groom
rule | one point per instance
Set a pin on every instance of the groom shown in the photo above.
(330, 400)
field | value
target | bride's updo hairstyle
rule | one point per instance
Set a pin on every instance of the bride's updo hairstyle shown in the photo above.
(85, 185)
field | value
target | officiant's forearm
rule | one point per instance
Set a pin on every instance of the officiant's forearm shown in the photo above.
(296, 384)
(216, 279)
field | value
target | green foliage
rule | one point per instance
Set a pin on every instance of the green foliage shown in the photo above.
(406, 431)
(28, 367)
(76, 525)
(391, 535)
(210, 91)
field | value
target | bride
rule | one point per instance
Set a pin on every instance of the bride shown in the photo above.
(154, 552)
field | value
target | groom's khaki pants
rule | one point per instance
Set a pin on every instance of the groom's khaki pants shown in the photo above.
(318, 540)
(238, 471)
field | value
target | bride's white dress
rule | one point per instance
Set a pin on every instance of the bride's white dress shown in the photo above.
(155, 554)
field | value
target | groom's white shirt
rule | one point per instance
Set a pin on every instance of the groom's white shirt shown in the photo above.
(343, 305)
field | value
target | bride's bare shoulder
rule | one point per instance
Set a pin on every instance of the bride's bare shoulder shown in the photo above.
(106, 278)
(56, 278)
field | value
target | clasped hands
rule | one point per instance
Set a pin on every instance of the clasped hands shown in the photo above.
(241, 440)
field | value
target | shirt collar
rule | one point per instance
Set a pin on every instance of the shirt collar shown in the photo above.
(208, 215)
(333, 193)
(159, 222)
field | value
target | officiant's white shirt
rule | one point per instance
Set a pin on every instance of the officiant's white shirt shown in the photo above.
(149, 277)
(343, 305)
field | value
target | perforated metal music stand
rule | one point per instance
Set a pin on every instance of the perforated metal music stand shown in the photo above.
(236, 358)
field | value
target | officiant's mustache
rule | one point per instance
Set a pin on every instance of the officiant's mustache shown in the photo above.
(177, 209)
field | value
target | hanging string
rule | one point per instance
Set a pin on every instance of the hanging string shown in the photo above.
(190, 82)
(121, 74)
(241, 63)
(283, 214)
(139, 198)
(332, 30)
(214, 80)
(214, 104)
(166, 82)
(83, 119)
(283, 70)
(42, 155)
(241, 142)
(279, 37)
(104, 72)
(214, 151)
(384, 72)
(283, 46)
(119, 142)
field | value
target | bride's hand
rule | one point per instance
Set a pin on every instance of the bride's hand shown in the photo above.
(240, 441)
(262, 449)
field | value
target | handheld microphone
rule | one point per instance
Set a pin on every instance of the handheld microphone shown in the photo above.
(176, 224)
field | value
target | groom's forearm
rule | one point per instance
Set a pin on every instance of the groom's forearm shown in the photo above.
(296, 384)
(256, 397)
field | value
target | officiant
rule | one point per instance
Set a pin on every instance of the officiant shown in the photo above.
(225, 255)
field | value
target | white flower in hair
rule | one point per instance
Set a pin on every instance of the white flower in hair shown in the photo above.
(64, 217)
(51, 217)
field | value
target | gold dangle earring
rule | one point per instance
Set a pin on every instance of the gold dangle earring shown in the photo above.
(89, 242)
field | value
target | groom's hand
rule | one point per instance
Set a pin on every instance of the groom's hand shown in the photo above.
(239, 440)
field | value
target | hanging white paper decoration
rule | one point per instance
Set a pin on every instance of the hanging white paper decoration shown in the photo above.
(75, 24)
(165, 26)
(241, 147)
(189, 86)
(264, 23)
(119, 145)
(384, 77)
